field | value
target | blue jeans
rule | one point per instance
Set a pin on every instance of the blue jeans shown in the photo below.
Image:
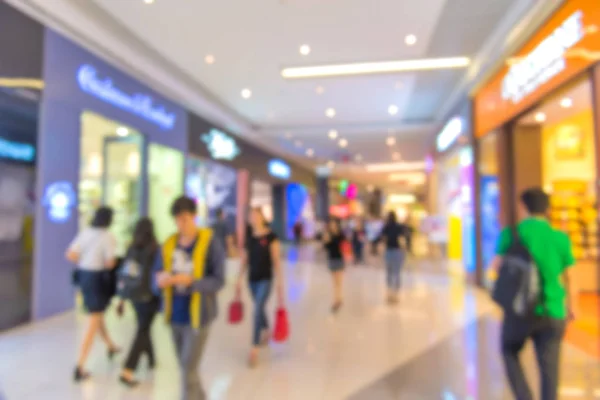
(394, 258)
(260, 294)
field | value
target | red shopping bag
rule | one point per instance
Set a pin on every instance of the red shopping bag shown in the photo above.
(236, 311)
(346, 250)
(282, 326)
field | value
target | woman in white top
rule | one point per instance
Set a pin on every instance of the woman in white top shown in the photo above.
(93, 251)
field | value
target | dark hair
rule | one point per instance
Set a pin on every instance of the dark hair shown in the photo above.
(183, 204)
(392, 218)
(535, 200)
(220, 213)
(103, 217)
(143, 235)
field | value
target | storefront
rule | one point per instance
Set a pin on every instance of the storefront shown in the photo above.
(536, 123)
(227, 172)
(20, 84)
(104, 139)
(453, 193)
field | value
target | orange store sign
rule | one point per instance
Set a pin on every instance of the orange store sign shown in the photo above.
(568, 44)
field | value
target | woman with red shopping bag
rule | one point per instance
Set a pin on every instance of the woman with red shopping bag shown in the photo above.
(262, 260)
(335, 243)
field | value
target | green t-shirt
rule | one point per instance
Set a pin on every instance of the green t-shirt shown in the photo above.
(552, 252)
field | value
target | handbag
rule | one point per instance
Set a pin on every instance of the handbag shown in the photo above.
(281, 331)
(236, 311)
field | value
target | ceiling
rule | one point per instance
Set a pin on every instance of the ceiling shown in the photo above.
(251, 41)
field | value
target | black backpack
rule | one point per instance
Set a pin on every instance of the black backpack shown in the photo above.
(518, 289)
(134, 281)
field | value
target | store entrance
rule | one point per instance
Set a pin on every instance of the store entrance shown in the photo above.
(110, 174)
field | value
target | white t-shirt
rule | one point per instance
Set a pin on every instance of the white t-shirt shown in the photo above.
(95, 246)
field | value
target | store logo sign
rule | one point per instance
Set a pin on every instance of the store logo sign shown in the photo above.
(545, 61)
(452, 130)
(16, 151)
(220, 145)
(139, 104)
(279, 169)
(59, 199)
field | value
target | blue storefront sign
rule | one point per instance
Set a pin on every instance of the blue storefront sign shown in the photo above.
(490, 224)
(279, 169)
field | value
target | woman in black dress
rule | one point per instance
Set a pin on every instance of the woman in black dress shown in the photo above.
(262, 260)
(333, 238)
(143, 255)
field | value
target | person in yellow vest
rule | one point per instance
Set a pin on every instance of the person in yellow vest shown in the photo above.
(189, 277)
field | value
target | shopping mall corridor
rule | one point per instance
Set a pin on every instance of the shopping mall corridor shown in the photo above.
(440, 342)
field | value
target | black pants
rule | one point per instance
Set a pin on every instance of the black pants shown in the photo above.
(142, 343)
(547, 335)
(357, 248)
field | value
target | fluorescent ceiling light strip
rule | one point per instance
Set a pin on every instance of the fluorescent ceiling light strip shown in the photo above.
(392, 167)
(381, 67)
(22, 83)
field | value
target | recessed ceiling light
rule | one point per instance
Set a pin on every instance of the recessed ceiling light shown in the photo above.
(209, 59)
(343, 143)
(310, 152)
(330, 112)
(298, 143)
(122, 131)
(391, 141)
(410, 40)
(333, 134)
(566, 102)
(305, 49)
(540, 117)
(320, 90)
(246, 93)
(149, 1)
(381, 67)
(393, 109)
(396, 156)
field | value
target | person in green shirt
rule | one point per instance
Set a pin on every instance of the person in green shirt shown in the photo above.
(553, 255)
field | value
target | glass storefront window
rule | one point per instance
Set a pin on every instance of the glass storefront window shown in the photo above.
(110, 174)
(165, 184)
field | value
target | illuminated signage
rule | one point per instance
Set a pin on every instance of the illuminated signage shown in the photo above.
(139, 104)
(448, 135)
(16, 151)
(220, 145)
(279, 169)
(59, 199)
(545, 61)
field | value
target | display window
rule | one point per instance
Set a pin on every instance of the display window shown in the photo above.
(564, 123)
(165, 184)
(261, 196)
(110, 174)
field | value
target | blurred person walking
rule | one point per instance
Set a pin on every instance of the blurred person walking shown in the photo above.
(394, 236)
(93, 251)
(190, 275)
(223, 233)
(333, 239)
(135, 284)
(358, 240)
(262, 261)
(550, 252)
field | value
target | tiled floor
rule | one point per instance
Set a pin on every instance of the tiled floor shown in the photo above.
(439, 343)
